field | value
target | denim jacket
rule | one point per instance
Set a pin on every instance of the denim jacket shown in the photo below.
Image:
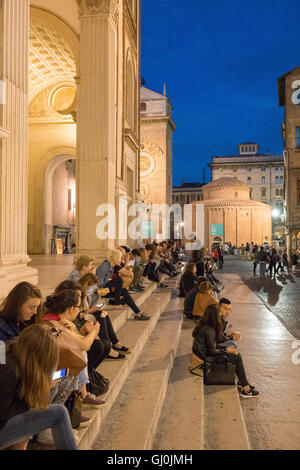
(8, 330)
(104, 273)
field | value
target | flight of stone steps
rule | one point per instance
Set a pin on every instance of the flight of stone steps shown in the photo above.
(153, 401)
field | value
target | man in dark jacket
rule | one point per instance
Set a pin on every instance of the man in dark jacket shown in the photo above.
(225, 311)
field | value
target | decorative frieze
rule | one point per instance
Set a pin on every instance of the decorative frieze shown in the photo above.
(96, 7)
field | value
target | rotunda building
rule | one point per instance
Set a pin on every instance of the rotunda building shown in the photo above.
(231, 216)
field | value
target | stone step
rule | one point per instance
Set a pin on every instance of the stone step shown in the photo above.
(132, 422)
(182, 419)
(224, 425)
(135, 335)
(119, 317)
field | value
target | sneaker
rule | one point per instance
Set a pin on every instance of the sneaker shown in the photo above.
(251, 394)
(239, 386)
(91, 400)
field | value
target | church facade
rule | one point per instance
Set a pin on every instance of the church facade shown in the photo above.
(69, 125)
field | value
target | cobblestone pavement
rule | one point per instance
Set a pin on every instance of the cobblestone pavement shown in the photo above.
(281, 294)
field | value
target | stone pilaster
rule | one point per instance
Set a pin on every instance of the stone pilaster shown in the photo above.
(96, 120)
(14, 33)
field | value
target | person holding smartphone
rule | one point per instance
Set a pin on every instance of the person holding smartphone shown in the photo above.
(26, 380)
(87, 284)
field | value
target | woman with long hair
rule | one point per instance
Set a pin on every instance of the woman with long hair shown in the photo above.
(26, 379)
(64, 307)
(188, 280)
(19, 310)
(207, 334)
(203, 299)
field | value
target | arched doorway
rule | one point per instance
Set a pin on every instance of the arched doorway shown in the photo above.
(60, 205)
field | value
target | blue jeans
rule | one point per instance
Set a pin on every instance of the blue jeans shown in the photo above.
(23, 426)
(262, 268)
(228, 343)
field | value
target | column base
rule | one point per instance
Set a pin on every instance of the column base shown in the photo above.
(11, 275)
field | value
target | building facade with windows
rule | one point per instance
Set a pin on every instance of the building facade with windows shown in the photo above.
(263, 173)
(187, 193)
(289, 97)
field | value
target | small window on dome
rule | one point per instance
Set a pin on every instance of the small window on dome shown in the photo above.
(236, 195)
(143, 106)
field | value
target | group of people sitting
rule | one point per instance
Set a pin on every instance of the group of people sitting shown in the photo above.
(211, 343)
(71, 330)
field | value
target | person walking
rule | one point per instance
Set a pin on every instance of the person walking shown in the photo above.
(262, 261)
(294, 261)
(221, 256)
(255, 259)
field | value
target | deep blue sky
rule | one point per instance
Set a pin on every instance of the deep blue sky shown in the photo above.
(220, 61)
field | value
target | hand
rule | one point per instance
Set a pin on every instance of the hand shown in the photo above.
(103, 314)
(96, 327)
(231, 350)
(88, 327)
(94, 309)
(236, 336)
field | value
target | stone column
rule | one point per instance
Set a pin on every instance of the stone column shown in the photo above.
(14, 41)
(96, 120)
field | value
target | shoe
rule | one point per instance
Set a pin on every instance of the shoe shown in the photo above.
(123, 349)
(113, 358)
(84, 421)
(239, 386)
(141, 316)
(251, 394)
(91, 400)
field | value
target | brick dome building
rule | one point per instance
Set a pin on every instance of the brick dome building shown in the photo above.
(231, 216)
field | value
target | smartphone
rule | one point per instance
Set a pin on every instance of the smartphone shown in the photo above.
(99, 305)
(59, 374)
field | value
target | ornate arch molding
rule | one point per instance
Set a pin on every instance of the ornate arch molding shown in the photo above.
(46, 20)
(44, 175)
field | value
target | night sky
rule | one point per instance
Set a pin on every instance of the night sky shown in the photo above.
(220, 61)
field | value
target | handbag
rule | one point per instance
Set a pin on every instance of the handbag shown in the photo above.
(219, 374)
(98, 384)
(70, 356)
(74, 406)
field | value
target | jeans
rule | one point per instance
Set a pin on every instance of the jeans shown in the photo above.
(262, 268)
(228, 343)
(239, 365)
(117, 285)
(255, 263)
(83, 377)
(24, 425)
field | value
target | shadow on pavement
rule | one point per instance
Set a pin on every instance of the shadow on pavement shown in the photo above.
(268, 285)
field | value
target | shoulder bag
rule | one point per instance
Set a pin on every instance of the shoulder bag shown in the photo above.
(70, 356)
(219, 374)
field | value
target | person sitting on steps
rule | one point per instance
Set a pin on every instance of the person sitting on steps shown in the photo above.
(104, 274)
(207, 334)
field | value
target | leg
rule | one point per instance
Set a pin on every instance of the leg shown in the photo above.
(129, 301)
(98, 352)
(117, 285)
(34, 421)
